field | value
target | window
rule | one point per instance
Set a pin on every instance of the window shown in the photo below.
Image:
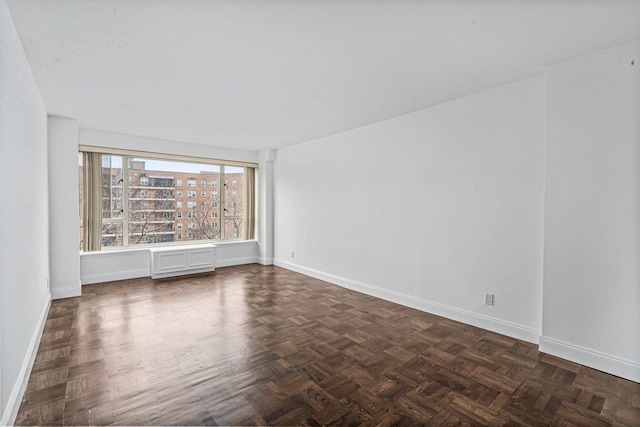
(192, 226)
(133, 200)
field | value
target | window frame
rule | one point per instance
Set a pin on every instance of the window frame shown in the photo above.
(123, 219)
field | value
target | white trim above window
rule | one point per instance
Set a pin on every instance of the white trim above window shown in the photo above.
(146, 154)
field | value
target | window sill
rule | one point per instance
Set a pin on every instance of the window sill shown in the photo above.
(145, 248)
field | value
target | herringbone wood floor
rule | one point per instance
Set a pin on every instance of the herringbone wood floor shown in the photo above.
(254, 345)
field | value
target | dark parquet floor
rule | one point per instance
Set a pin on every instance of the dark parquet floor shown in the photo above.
(255, 345)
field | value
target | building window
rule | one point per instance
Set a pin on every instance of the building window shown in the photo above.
(134, 204)
(179, 236)
(192, 236)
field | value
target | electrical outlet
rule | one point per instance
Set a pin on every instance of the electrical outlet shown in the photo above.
(488, 298)
(293, 254)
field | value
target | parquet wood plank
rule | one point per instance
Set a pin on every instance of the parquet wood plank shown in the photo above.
(256, 345)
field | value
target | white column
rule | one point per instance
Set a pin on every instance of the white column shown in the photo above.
(64, 255)
(265, 206)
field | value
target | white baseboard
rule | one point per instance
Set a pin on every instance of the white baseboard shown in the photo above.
(265, 261)
(15, 398)
(481, 321)
(115, 275)
(236, 261)
(68, 292)
(591, 358)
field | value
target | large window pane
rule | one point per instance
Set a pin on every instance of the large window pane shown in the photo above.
(233, 229)
(234, 191)
(148, 200)
(112, 234)
(155, 198)
(111, 187)
(152, 203)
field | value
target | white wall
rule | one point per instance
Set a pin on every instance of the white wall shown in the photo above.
(64, 207)
(592, 211)
(430, 209)
(24, 218)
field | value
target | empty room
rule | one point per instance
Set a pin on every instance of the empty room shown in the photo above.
(294, 212)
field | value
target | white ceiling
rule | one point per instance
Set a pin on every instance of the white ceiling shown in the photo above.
(266, 73)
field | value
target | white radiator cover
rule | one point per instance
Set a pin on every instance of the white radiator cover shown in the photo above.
(180, 260)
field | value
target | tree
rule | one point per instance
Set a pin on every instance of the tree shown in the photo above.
(151, 208)
(205, 213)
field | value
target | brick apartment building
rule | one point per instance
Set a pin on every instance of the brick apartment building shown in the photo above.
(168, 206)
